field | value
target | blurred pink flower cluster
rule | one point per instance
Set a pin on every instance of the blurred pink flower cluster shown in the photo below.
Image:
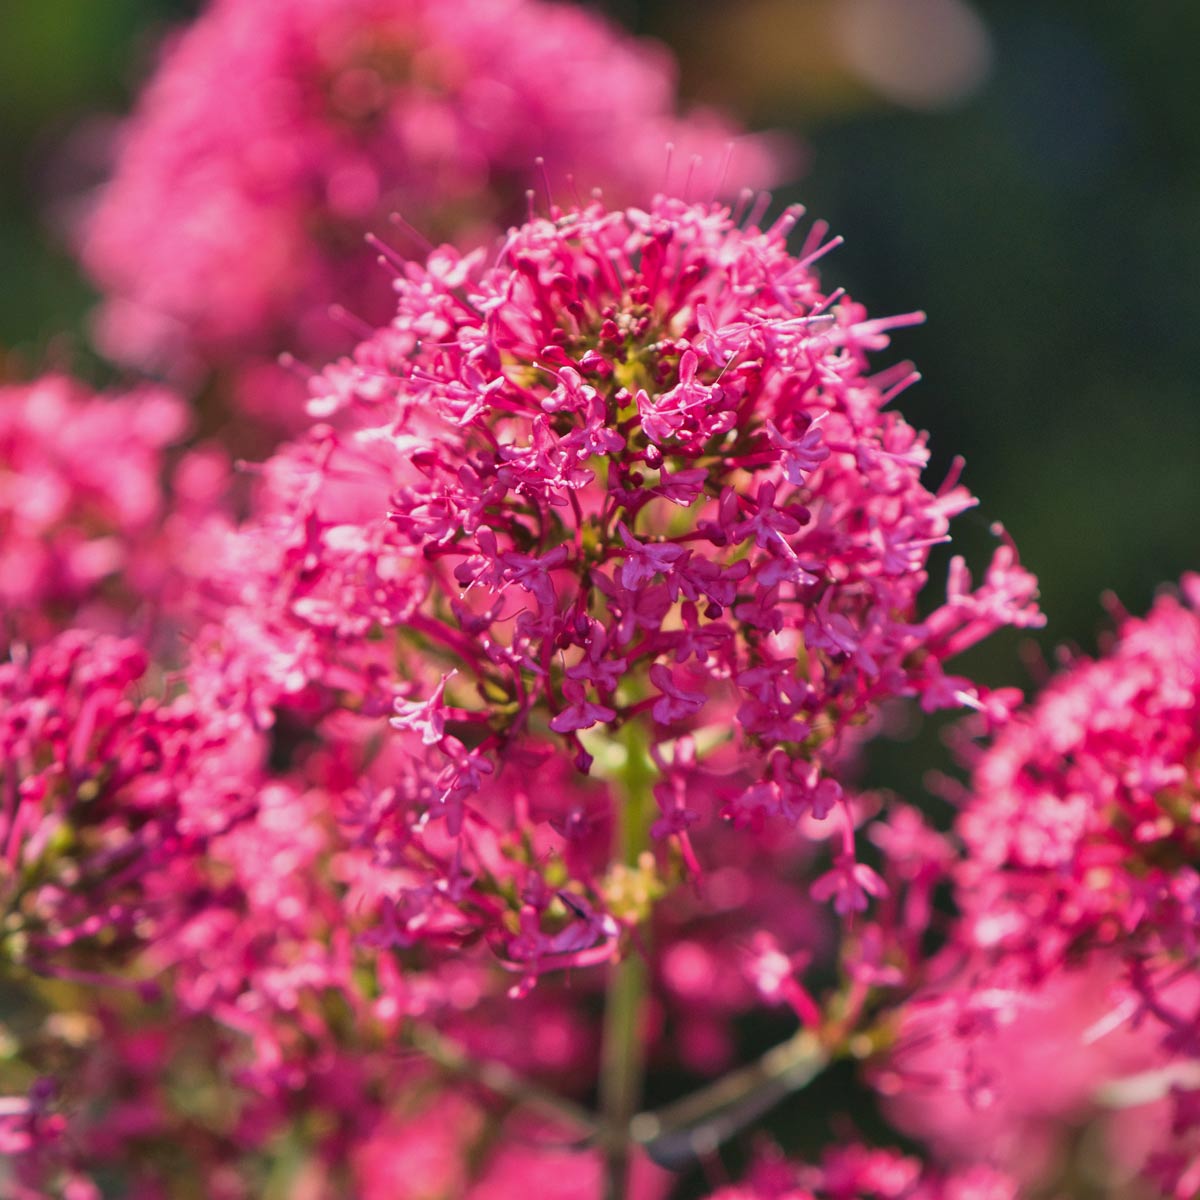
(277, 133)
(1077, 938)
(856, 1172)
(464, 794)
(99, 507)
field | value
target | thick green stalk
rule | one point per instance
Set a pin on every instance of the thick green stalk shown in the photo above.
(621, 1069)
(621, 1057)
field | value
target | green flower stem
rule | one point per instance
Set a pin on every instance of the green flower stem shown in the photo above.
(622, 1049)
(696, 1126)
(500, 1080)
(621, 1069)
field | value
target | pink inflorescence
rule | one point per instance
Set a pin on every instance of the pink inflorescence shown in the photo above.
(857, 1172)
(109, 799)
(277, 133)
(1083, 827)
(625, 513)
(82, 504)
(1078, 936)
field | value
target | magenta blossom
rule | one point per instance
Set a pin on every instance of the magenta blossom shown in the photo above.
(1080, 900)
(551, 518)
(857, 1172)
(84, 535)
(277, 133)
(1083, 824)
(109, 801)
(969, 1076)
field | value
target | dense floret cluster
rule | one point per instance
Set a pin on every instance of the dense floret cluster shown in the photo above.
(632, 500)
(971, 1077)
(472, 794)
(1078, 933)
(856, 1172)
(1083, 827)
(110, 798)
(277, 133)
(82, 504)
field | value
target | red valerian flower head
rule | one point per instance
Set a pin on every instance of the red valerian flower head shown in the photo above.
(277, 133)
(109, 801)
(83, 505)
(1079, 895)
(631, 491)
(1083, 824)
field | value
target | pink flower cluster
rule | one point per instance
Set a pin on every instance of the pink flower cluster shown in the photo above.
(1083, 826)
(971, 1080)
(648, 506)
(626, 512)
(277, 133)
(107, 799)
(383, 830)
(855, 1172)
(81, 502)
(1078, 933)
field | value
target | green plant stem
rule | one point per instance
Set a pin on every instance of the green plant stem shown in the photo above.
(501, 1080)
(696, 1126)
(621, 1069)
(622, 1051)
